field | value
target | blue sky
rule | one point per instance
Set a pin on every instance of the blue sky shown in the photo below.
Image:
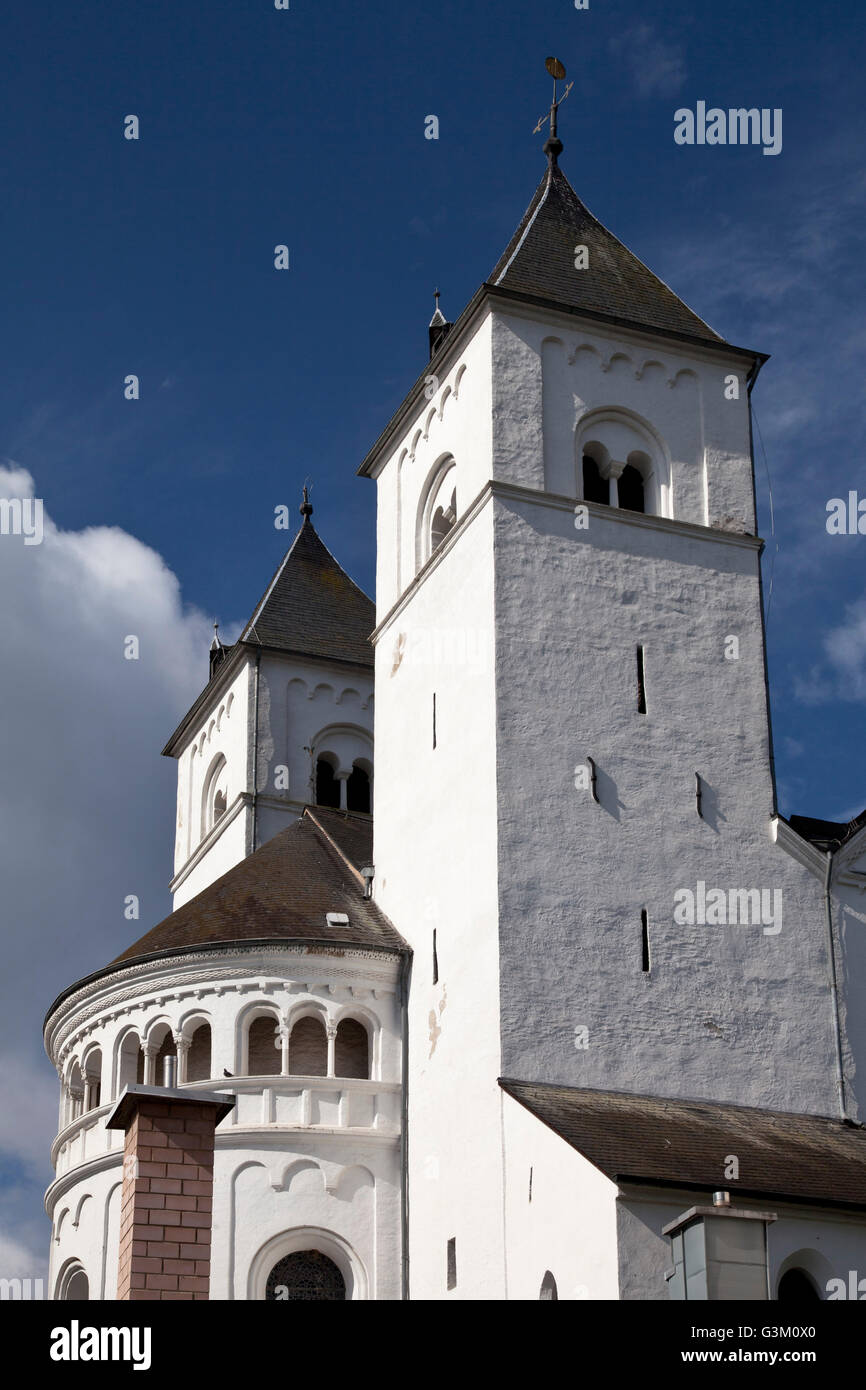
(155, 257)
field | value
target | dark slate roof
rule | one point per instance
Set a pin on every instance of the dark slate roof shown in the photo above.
(312, 607)
(350, 831)
(283, 891)
(683, 1143)
(826, 834)
(539, 261)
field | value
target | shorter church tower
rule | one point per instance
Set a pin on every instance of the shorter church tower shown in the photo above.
(286, 718)
(264, 1015)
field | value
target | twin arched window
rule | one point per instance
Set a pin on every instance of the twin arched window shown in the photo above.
(347, 793)
(604, 483)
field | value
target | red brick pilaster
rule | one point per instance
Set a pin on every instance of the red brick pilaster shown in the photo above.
(167, 1196)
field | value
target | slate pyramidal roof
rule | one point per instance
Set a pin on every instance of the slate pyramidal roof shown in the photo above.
(538, 263)
(537, 267)
(311, 608)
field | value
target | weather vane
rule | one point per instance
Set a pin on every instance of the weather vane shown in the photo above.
(553, 145)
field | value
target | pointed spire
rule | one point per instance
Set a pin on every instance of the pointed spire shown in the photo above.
(306, 507)
(438, 316)
(439, 327)
(216, 644)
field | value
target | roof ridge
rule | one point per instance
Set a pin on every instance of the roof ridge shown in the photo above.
(538, 262)
(329, 839)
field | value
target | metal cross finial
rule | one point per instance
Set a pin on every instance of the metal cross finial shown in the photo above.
(553, 145)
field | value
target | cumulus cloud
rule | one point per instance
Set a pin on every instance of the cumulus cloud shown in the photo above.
(86, 803)
(842, 674)
(656, 66)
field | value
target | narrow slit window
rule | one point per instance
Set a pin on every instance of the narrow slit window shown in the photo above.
(435, 960)
(641, 683)
(644, 940)
(452, 1263)
(699, 793)
(434, 718)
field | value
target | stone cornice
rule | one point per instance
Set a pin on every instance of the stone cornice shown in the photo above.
(236, 1137)
(554, 501)
(231, 813)
(122, 988)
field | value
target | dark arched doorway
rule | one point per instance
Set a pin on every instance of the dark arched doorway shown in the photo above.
(795, 1286)
(305, 1275)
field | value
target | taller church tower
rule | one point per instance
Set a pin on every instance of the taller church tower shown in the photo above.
(572, 728)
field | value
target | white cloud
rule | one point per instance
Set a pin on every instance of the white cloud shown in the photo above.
(20, 1261)
(29, 1097)
(842, 675)
(86, 803)
(656, 66)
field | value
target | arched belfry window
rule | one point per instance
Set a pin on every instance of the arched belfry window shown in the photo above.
(358, 789)
(595, 487)
(437, 510)
(214, 794)
(327, 785)
(630, 489)
(443, 521)
(621, 461)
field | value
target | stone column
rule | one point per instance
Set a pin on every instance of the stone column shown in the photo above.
(331, 1029)
(182, 1046)
(613, 471)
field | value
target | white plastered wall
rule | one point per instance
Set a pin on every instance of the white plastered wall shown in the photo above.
(560, 1214)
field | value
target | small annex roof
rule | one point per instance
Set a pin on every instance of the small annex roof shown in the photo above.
(826, 834)
(311, 607)
(284, 891)
(682, 1143)
(539, 261)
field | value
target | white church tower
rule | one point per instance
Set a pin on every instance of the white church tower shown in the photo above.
(579, 1014)
(285, 720)
(572, 739)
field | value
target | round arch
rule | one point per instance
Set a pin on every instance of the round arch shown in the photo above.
(214, 794)
(814, 1266)
(72, 1284)
(439, 484)
(308, 1238)
(256, 1008)
(612, 432)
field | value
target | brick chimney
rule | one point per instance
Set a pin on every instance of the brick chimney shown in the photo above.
(166, 1206)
